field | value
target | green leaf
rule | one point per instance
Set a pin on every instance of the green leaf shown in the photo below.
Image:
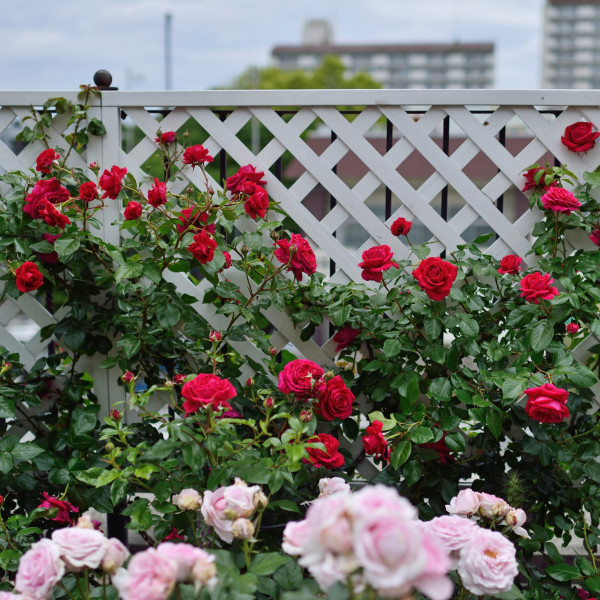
(7, 408)
(581, 376)
(66, 247)
(422, 435)
(469, 328)
(541, 336)
(433, 328)
(84, 420)
(118, 491)
(494, 423)
(455, 441)
(129, 270)
(400, 454)
(98, 477)
(593, 584)
(440, 389)
(168, 314)
(340, 315)
(193, 456)
(266, 563)
(160, 450)
(6, 462)
(392, 347)
(563, 572)
(412, 472)
(412, 390)
(522, 315)
(26, 451)
(513, 387)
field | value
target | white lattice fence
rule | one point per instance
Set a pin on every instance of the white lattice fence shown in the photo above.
(478, 120)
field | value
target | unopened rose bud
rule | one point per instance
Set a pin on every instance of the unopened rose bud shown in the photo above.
(128, 377)
(572, 328)
(273, 351)
(215, 336)
(188, 499)
(186, 134)
(328, 375)
(260, 500)
(274, 236)
(178, 379)
(231, 514)
(269, 402)
(95, 167)
(305, 415)
(244, 250)
(249, 382)
(242, 529)
(115, 414)
(1, 500)
(85, 522)
(109, 446)
(210, 191)
(190, 190)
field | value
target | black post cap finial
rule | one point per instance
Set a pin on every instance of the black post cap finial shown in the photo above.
(103, 79)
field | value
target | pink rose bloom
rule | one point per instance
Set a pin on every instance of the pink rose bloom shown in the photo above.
(487, 563)
(184, 556)
(331, 570)
(380, 499)
(204, 571)
(295, 535)
(491, 506)
(515, 518)
(80, 547)
(451, 531)
(240, 498)
(40, 569)
(114, 557)
(149, 576)
(11, 596)
(213, 511)
(188, 499)
(465, 503)
(332, 485)
(559, 199)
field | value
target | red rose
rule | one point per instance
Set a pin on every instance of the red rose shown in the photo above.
(374, 441)
(49, 258)
(203, 247)
(441, 448)
(168, 137)
(435, 277)
(116, 415)
(375, 261)
(558, 199)
(538, 178)
(335, 401)
(53, 217)
(128, 377)
(298, 253)
(88, 191)
(157, 195)
(330, 458)
(196, 155)
(227, 257)
(207, 391)
(43, 163)
(345, 336)
(572, 328)
(133, 211)
(28, 277)
(257, 200)
(510, 264)
(546, 404)
(247, 173)
(111, 181)
(192, 218)
(401, 226)
(580, 137)
(45, 190)
(536, 287)
(595, 237)
(174, 535)
(301, 377)
(64, 508)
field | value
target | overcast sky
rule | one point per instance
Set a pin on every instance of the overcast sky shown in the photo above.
(59, 45)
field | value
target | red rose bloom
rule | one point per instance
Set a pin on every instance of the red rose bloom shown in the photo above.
(374, 441)
(435, 277)
(580, 137)
(157, 195)
(572, 328)
(45, 190)
(49, 258)
(301, 377)
(335, 401)
(247, 173)
(196, 155)
(192, 218)
(43, 163)
(536, 287)
(345, 336)
(545, 179)
(401, 226)
(53, 217)
(510, 264)
(174, 535)
(203, 247)
(64, 508)
(298, 253)
(442, 450)
(28, 277)
(111, 181)
(168, 137)
(595, 237)
(558, 199)
(257, 200)
(132, 211)
(227, 259)
(207, 391)
(88, 191)
(547, 404)
(376, 260)
(330, 458)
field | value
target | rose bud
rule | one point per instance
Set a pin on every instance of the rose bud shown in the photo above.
(116, 415)
(188, 499)
(572, 328)
(178, 379)
(215, 336)
(305, 415)
(242, 529)
(273, 351)
(269, 402)
(249, 382)
(260, 500)
(128, 377)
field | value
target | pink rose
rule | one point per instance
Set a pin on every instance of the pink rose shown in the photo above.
(510, 264)
(183, 555)
(149, 576)
(295, 535)
(375, 261)
(301, 377)
(80, 547)
(514, 519)
(465, 503)
(380, 499)
(64, 508)
(40, 569)
(487, 564)
(168, 137)
(332, 485)
(536, 286)
(559, 199)
(207, 390)
(547, 404)
(114, 557)
(204, 571)
(580, 137)
(240, 498)
(214, 505)
(451, 531)
(297, 254)
(111, 181)
(188, 499)
(491, 506)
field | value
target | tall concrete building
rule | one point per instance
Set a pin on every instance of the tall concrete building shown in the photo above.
(413, 66)
(571, 44)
